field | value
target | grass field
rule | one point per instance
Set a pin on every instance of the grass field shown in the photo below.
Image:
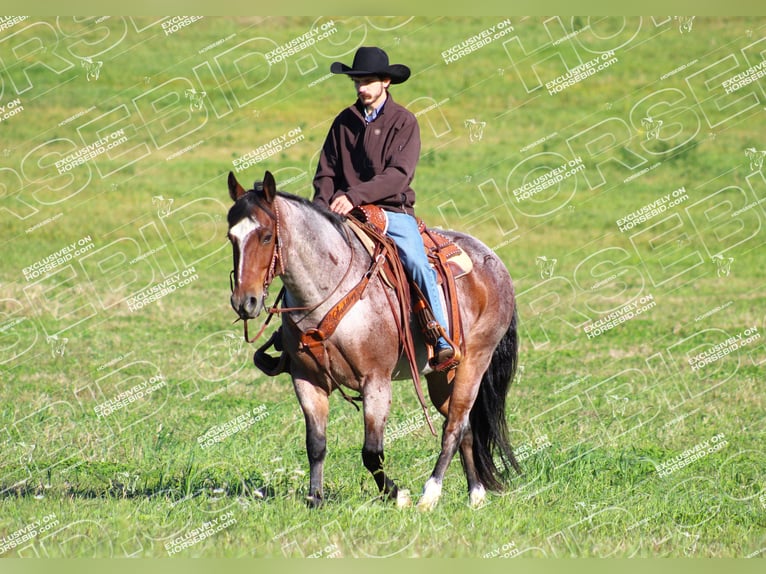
(138, 426)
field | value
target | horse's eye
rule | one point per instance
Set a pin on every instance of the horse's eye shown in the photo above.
(267, 237)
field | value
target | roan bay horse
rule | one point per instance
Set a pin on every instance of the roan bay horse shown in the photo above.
(319, 261)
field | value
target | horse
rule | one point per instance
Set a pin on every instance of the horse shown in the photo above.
(277, 234)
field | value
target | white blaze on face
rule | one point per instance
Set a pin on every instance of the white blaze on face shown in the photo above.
(241, 232)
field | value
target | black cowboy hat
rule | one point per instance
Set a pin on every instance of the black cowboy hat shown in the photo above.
(372, 61)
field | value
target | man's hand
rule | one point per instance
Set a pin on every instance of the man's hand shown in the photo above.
(341, 205)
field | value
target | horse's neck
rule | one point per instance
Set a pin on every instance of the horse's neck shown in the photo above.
(316, 255)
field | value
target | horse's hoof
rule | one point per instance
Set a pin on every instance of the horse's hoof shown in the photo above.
(477, 497)
(403, 499)
(313, 501)
(427, 504)
(432, 491)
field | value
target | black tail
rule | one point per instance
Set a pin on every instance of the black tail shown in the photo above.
(490, 430)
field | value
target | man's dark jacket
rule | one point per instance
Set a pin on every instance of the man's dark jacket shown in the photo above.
(370, 163)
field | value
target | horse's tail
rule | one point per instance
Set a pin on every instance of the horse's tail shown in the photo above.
(488, 424)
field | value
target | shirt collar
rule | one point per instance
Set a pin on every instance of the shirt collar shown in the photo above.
(371, 118)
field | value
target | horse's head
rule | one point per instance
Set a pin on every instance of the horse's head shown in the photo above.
(255, 242)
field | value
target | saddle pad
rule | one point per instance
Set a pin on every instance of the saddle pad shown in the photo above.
(458, 260)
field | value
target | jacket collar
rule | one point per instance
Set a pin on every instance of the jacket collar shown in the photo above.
(360, 108)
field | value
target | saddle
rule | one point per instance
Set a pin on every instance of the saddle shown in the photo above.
(447, 258)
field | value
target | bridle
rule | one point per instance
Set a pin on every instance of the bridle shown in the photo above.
(277, 260)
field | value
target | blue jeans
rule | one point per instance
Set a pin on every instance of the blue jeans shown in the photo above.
(403, 229)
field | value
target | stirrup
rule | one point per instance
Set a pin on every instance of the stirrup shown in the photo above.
(270, 365)
(446, 364)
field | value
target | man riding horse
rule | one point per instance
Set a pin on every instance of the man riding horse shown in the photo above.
(336, 329)
(369, 157)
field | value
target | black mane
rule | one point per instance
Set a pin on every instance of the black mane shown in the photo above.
(243, 207)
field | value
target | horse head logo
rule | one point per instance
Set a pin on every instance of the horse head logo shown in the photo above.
(546, 266)
(196, 99)
(723, 265)
(92, 69)
(690, 539)
(617, 403)
(587, 510)
(58, 345)
(475, 129)
(756, 158)
(651, 127)
(163, 205)
(685, 23)
(233, 344)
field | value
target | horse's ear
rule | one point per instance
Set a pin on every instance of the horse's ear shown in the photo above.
(269, 186)
(235, 189)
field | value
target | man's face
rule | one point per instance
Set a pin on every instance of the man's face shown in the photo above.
(371, 90)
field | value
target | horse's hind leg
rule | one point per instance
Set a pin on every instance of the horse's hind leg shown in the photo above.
(456, 429)
(377, 403)
(476, 491)
(439, 391)
(315, 405)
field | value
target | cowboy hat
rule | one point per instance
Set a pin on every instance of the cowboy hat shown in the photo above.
(372, 61)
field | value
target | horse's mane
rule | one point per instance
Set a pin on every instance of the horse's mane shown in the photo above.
(337, 221)
(245, 204)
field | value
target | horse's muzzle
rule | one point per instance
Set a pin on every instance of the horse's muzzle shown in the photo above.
(246, 305)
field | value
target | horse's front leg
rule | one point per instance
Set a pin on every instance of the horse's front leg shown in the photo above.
(315, 404)
(377, 404)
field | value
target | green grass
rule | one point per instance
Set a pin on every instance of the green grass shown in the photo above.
(595, 417)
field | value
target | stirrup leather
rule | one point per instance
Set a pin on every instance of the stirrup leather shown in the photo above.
(431, 332)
